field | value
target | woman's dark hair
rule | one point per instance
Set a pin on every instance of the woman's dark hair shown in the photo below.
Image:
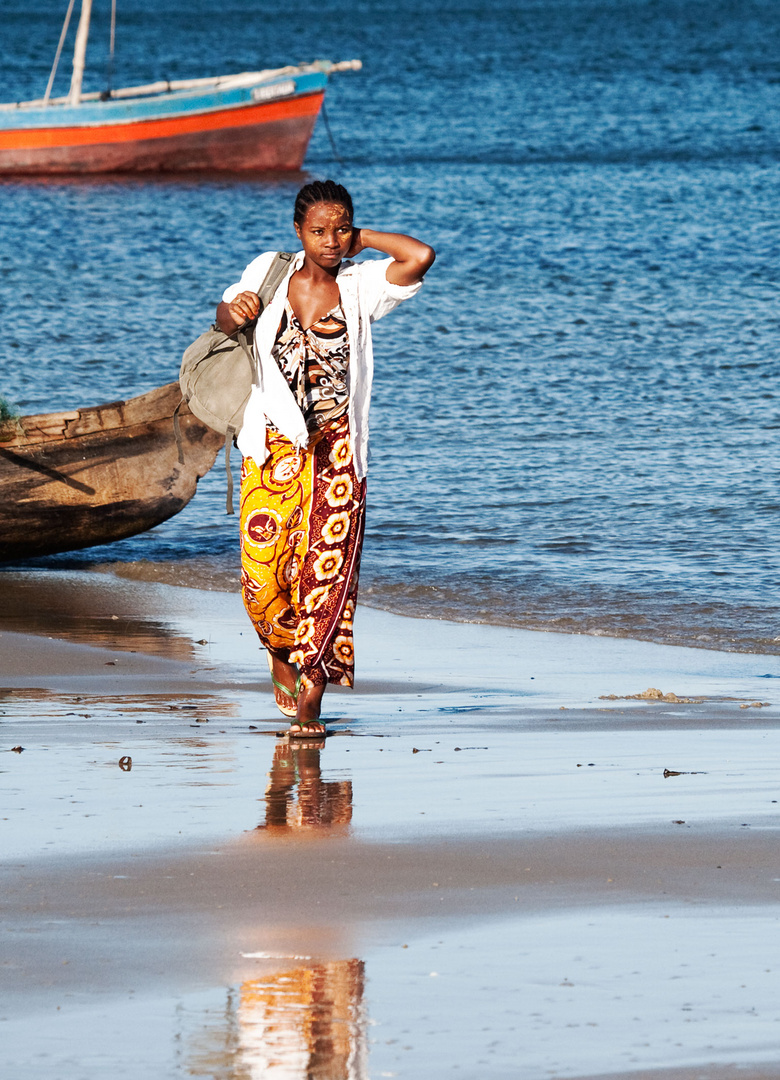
(321, 191)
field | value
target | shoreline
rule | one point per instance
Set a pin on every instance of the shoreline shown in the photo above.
(436, 603)
(171, 622)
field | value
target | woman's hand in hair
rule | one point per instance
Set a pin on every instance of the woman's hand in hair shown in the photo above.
(357, 243)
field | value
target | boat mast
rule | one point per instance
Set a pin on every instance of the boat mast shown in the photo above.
(63, 35)
(79, 53)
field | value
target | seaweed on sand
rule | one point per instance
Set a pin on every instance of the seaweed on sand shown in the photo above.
(9, 419)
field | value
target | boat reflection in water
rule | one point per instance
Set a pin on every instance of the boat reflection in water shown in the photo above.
(303, 1018)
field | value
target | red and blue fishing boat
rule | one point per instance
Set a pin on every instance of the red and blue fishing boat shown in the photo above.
(258, 120)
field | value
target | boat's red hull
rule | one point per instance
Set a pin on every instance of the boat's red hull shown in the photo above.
(268, 136)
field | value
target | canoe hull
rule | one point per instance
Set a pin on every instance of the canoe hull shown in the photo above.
(266, 137)
(92, 476)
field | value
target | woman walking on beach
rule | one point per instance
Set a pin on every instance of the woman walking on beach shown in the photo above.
(305, 440)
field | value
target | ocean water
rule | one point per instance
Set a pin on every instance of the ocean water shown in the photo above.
(575, 425)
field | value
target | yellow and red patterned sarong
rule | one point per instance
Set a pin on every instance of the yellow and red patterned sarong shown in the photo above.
(302, 522)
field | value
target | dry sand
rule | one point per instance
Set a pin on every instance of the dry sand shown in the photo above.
(488, 871)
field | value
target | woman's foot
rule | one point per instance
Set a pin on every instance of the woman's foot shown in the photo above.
(307, 723)
(287, 684)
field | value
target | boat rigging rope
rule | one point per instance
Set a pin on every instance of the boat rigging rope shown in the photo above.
(63, 35)
(110, 67)
(336, 154)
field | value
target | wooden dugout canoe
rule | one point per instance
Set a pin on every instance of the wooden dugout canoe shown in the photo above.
(72, 480)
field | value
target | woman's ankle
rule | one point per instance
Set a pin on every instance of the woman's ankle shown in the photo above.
(310, 703)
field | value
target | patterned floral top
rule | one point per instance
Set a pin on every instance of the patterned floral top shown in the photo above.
(314, 362)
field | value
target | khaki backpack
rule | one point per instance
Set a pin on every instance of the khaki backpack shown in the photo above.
(218, 371)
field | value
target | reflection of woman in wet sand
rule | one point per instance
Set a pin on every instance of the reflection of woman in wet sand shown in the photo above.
(300, 1023)
(305, 440)
(307, 1023)
(319, 802)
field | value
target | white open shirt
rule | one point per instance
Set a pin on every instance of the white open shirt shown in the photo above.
(366, 295)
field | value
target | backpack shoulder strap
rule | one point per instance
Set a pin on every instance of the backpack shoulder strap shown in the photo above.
(273, 279)
(271, 282)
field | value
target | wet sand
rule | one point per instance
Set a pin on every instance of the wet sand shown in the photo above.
(492, 869)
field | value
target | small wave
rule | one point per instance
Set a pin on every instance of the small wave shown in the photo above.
(662, 619)
(208, 575)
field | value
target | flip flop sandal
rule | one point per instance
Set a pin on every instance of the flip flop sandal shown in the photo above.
(286, 710)
(312, 736)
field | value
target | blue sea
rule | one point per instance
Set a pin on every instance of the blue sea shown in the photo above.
(575, 425)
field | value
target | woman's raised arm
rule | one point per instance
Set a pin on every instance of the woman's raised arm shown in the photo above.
(412, 258)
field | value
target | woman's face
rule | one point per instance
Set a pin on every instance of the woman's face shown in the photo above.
(326, 234)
